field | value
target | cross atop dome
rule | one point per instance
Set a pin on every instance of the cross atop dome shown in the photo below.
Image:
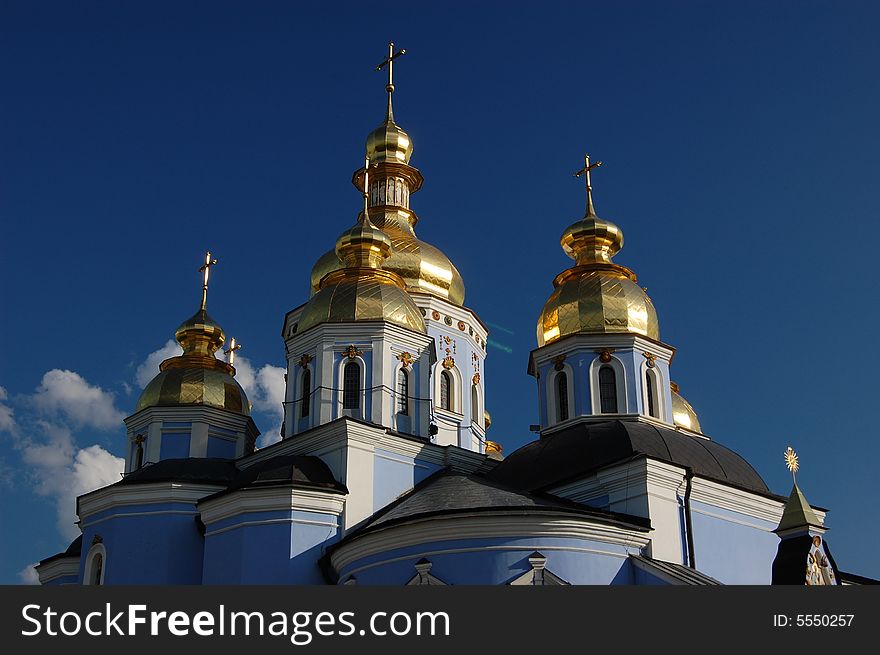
(389, 62)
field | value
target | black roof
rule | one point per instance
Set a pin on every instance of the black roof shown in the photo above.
(584, 447)
(679, 572)
(205, 470)
(306, 471)
(296, 470)
(447, 493)
(73, 550)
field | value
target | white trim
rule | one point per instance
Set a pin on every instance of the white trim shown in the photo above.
(480, 549)
(148, 493)
(480, 525)
(88, 569)
(620, 380)
(298, 416)
(247, 501)
(89, 524)
(63, 567)
(478, 410)
(247, 524)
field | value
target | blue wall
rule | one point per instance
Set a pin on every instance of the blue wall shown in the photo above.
(395, 474)
(280, 547)
(733, 549)
(162, 547)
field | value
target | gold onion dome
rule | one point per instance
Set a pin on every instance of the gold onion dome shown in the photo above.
(683, 415)
(362, 290)
(595, 296)
(424, 268)
(196, 377)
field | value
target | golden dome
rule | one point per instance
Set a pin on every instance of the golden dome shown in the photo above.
(424, 268)
(595, 296)
(389, 142)
(683, 414)
(197, 377)
(361, 290)
(597, 301)
(196, 385)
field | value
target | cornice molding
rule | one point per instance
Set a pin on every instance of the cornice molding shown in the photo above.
(483, 525)
(149, 493)
(61, 567)
(247, 501)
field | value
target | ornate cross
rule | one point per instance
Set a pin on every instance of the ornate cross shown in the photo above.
(230, 352)
(791, 462)
(585, 171)
(389, 61)
(206, 269)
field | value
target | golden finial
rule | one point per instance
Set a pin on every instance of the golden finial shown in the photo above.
(367, 191)
(585, 171)
(230, 352)
(389, 61)
(791, 461)
(206, 269)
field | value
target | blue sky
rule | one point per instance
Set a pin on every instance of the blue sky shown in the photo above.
(739, 144)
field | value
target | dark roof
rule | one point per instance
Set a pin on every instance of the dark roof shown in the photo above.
(680, 573)
(450, 493)
(852, 578)
(287, 470)
(584, 447)
(205, 470)
(73, 550)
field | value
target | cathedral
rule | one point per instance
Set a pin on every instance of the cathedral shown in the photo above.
(385, 473)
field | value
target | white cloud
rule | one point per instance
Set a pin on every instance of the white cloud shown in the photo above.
(62, 471)
(265, 389)
(149, 368)
(7, 420)
(67, 393)
(28, 575)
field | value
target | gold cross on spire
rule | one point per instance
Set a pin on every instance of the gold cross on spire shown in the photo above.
(230, 352)
(389, 61)
(206, 269)
(367, 191)
(585, 171)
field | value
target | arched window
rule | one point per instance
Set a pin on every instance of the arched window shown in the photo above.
(608, 390)
(562, 396)
(351, 386)
(651, 391)
(97, 569)
(305, 396)
(95, 565)
(402, 392)
(475, 404)
(446, 390)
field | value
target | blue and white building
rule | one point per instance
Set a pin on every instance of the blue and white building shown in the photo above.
(384, 473)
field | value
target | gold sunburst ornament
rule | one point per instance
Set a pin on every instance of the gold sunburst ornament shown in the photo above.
(791, 461)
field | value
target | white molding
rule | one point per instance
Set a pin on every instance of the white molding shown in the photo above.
(528, 548)
(59, 568)
(148, 493)
(247, 501)
(484, 525)
(291, 521)
(737, 500)
(573, 344)
(165, 512)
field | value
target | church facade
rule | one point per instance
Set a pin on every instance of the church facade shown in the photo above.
(385, 475)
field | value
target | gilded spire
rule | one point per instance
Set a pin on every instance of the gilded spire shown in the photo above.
(389, 62)
(592, 239)
(206, 269)
(585, 171)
